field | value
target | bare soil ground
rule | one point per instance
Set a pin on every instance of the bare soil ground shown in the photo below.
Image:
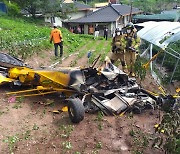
(30, 125)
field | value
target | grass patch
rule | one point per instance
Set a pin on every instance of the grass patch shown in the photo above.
(140, 140)
(99, 120)
(11, 141)
(66, 130)
(18, 103)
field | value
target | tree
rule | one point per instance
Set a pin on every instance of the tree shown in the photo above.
(31, 6)
(53, 7)
(152, 6)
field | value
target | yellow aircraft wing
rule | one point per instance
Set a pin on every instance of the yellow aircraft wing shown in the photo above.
(4, 79)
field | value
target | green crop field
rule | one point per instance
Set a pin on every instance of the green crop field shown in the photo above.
(22, 38)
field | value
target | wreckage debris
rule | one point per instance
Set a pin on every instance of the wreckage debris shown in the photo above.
(90, 89)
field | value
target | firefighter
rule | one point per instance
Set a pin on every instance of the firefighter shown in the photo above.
(118, 48)
(132, 44)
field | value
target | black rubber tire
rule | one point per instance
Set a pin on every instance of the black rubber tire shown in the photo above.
(76, 110)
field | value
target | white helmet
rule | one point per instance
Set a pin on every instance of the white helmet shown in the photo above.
(54, 24)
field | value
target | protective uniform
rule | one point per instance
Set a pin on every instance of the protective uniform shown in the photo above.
(132, 44)
(118, 49)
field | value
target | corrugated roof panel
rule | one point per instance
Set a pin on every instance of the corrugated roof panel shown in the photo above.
(160, 33)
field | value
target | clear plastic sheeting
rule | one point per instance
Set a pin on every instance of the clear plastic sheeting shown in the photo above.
(159, 33)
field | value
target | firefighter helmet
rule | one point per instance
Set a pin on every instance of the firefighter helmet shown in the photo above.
(130, 25)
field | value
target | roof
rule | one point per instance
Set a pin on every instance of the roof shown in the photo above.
(108, 13)
(160, 33)
(169, 17)
(125, 9)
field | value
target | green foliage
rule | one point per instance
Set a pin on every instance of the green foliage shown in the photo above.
(139, 69)
(13, 9)
(132, 133)
(170, 62)
(151, 6)
(22, 38)
(99, 120)
(35, 127)
(11, 141)
(140, 140)
(67, 145)
(97, 51)
(170, 125)
(99, 145)
(27, 135)
(66, 130)
(100, 116)
(19, 101)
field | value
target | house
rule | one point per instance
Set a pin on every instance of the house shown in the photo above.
(3, 7)
(112, 16)
(79, 10)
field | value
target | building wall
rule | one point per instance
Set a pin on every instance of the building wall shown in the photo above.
(56, 20)
(76, 15)
(113, 28)
(68, 1)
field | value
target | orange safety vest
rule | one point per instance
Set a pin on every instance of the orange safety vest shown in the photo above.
(56, 35)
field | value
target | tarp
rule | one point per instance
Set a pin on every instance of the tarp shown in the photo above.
(9, 61)
(3, 7)
(168, 17)
(159, 33)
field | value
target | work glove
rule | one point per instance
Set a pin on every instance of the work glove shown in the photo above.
(132, 49)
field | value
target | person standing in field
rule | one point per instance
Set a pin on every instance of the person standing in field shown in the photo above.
(105, 32)
(56, 37)
(96, 32)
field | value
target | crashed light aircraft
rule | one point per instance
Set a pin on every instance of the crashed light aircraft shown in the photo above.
(87, 89)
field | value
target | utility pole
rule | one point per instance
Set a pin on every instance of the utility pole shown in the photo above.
(130, 16)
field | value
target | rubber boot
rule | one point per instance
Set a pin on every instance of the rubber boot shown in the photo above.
(112, 61)
(124, 69)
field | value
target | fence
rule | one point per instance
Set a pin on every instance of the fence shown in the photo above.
(166, 67)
